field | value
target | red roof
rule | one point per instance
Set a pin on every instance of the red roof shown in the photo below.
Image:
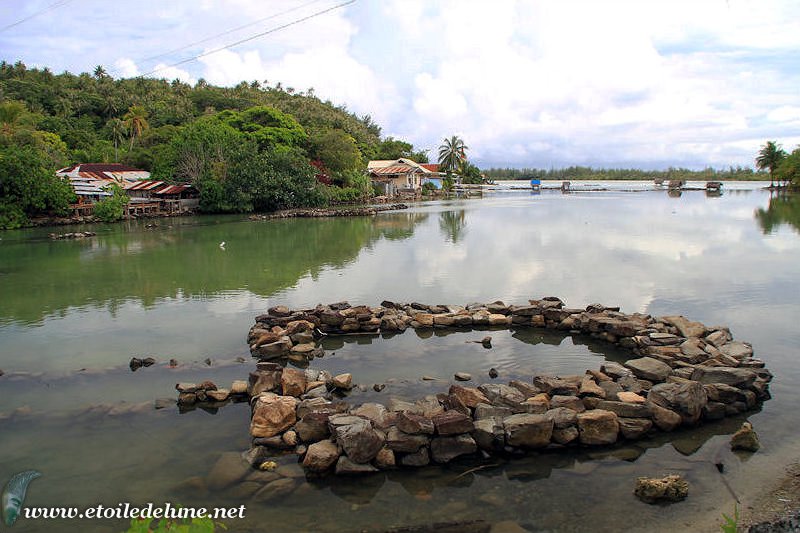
(433, 167)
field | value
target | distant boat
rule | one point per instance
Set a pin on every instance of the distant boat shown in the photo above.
(536, 184)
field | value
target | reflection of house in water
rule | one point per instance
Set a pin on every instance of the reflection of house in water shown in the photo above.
(93, 182)
(398, 226)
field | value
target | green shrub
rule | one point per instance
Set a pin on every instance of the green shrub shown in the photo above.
(112, 208)
(345, 195)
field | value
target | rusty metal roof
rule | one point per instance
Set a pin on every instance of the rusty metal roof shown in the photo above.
(146, 185)
(174, 189)
(395, 169)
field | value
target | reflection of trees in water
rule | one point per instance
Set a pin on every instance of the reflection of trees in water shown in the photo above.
(398, 226)
(453, 224)
(784, 208)
(40, 278)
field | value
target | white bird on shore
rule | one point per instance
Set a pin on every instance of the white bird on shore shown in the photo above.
(222, 245)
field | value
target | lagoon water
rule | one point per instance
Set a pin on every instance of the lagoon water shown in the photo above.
(73, 313)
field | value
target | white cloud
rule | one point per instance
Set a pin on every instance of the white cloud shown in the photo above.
(525, 83)
(126, 68)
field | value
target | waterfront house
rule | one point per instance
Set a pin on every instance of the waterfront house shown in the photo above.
(93, 181)
(396, 176)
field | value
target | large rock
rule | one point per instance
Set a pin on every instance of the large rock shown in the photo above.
(615, 370)
(649, 368)
(737, 350)
(566, 435)
(483, 411)
(452, 423)
(293, 382)
(570, 402)
(665, 490)
(555, 386)
(445, 449)
(400, 441)
(536, 404)
(598, 427)
(685, 327)
(528, 430)
(321, 456)
(414, 424)
(264, 381)
(634, 428)
(274, 350)
(664, 419)
(469, 396)
(359, 440)
(342, 381)
(313, 426)
(562, 417)
(630, 410)
(589, 387)
(736, 377)
(375, 412)
(687, 399)
(345, 466)
(228, 469)
(272, 415)
(489, 434)
(502, 395)
(421, 457)
(275, 489)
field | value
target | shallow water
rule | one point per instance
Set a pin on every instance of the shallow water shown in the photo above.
(74, 312)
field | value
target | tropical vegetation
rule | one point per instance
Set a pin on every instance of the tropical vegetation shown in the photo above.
(453, 159)
(251, 147)
(769, 157)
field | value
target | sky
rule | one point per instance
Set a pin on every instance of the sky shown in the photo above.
(528, 83)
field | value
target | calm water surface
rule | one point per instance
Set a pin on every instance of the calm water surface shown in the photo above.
(73, 313)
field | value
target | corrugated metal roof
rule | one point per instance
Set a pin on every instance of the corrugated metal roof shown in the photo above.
(145, 185)
(174, 189)
(433, 167)
(394, 169)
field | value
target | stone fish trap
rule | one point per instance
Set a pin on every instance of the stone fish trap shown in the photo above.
(686, 373)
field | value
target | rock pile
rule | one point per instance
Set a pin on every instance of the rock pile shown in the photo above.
(72, 235)
(684, 373)
(324, 213)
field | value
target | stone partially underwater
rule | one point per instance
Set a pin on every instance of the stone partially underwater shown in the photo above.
(683, 374)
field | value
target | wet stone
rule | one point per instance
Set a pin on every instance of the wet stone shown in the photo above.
(452, 423)
(414, 424)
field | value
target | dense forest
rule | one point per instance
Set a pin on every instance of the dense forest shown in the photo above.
(589, 173)
(252, 147)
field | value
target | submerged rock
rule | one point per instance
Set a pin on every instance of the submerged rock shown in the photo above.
(668, 489)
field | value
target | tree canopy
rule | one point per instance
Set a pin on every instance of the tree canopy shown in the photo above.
(236, 144)
(452, 152)
(769, 157)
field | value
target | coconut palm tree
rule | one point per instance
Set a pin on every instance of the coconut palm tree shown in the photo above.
(769, 157)
(136, 122)
(451, 153)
